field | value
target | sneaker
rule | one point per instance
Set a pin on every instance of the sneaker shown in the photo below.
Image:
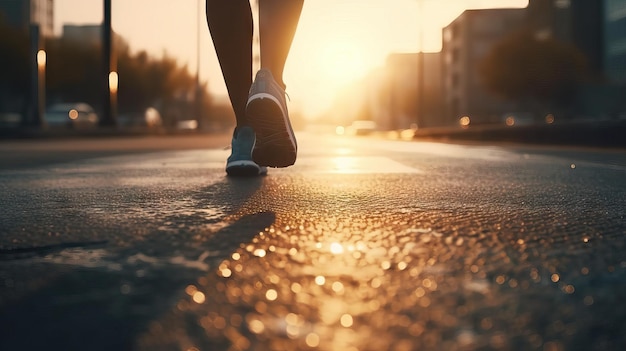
(266, 111)
(239, 163)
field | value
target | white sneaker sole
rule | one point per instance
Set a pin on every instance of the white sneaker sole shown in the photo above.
(244, 168)
(276, 144)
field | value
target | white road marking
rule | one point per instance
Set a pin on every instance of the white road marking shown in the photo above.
(353, 165)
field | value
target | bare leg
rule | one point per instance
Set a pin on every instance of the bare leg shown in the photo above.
(278, 20)
(231, 26)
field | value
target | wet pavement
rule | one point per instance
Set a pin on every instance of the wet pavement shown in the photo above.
(365, 244)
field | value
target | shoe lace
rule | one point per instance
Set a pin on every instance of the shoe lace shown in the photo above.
(282, 90)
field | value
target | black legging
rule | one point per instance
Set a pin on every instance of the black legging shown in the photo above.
(231, 26)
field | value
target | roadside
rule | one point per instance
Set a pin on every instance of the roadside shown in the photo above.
(24, 148)
(608, 133)
(52, 149)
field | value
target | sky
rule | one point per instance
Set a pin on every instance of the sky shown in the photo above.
(337, 42)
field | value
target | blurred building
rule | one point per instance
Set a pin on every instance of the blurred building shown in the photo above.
(580, 22)
(388, 95)
(22, 103)
(91, 35)
(402, 76)
(23, 13)
(598, 29)
(85, 34)
(466, 41)
(615, 40)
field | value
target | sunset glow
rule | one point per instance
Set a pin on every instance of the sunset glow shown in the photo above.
(337, 42)
(338, 63)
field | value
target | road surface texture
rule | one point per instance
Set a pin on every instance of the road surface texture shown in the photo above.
(365, 244)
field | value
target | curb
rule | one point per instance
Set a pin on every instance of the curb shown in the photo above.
(597, 134)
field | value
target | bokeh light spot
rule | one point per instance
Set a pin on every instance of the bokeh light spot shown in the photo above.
(312, 340)
(336, 248)
(337, 287)
(296, 288)
(256, 326)
(226, 273)
(271, 295)
(191, 289)
(320, 280)
(346, 320)
(464, 121)
(198, 297)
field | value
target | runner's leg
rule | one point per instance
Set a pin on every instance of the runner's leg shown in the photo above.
(278, 20)
(231, 26)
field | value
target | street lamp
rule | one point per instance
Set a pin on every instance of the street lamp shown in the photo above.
(41, 60)
(41, 85)
(113, 83)
(420, 68)
(198, 95)
(109, 74)
(35, 115)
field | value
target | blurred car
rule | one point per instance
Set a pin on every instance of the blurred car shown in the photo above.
(362, 127)
(150, 118)
(10, 120)
(187, 124)
(71, 115)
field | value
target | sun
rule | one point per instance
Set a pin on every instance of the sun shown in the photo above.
(341, 62)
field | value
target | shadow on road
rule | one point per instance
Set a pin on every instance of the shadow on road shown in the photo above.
(108, 304)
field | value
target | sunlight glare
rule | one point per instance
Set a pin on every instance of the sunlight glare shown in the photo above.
(336, 248)
(345, 165)
(342, 62)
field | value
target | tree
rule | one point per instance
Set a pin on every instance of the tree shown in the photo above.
(525, 67)
(74, 73)
(162, 83)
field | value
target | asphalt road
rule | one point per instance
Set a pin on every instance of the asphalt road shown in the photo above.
(365, 244)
